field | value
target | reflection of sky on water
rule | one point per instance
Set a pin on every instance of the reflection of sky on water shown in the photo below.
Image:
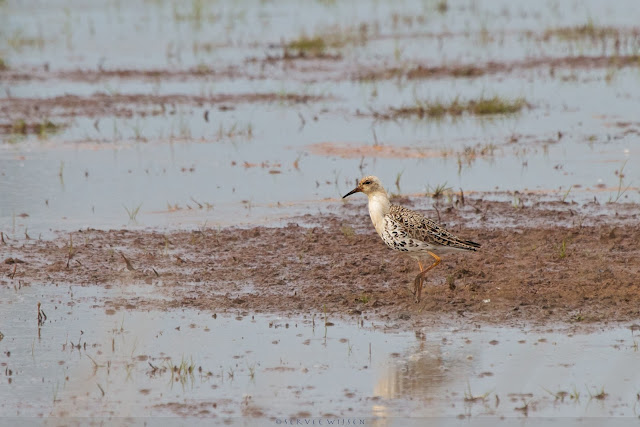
(286, 366)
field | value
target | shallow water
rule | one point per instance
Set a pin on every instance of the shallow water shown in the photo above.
(91, 184)
(70, 33)
(277, 367)
(250, 160)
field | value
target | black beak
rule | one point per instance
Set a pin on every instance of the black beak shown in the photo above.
(355, 190)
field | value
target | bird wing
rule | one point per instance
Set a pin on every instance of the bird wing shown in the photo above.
(427, 230)
(396, 236)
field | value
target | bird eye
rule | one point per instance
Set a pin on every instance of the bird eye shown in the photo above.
(367, 182)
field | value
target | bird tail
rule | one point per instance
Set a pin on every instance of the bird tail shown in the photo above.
(472, 244)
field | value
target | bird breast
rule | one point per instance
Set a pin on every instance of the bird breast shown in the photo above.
(378, 207)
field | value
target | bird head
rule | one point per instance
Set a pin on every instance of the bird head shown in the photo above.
(367, 185)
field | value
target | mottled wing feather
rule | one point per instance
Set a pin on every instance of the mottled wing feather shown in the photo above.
(420, 228)
(396, 237)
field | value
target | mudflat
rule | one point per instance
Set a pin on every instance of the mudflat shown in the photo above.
(550, 261)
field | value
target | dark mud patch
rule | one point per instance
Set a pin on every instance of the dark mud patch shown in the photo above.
(535, 272)
(195, 410)
(96, 75)
(324, 66)
(128, 105)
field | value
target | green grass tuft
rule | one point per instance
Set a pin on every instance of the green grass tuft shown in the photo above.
(347, 231)
(46, 127)
(438, 191)
(308, 45)
(581, 32)
(133, 212)
(495, 105)
(480, 107)
(364, 299)
(562, 250)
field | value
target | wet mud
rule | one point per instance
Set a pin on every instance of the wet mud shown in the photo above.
(539, 263)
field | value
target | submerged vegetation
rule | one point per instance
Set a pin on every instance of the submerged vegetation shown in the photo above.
(481, 107)
(19, 41)
(46, 126)
(495, 105)
(581, 32)
(318, 46)
(308, 45)
(21, 127)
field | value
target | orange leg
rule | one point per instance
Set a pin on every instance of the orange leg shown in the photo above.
(419, 281)
(416, 282)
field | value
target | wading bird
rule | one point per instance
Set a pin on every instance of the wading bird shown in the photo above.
(407, 231)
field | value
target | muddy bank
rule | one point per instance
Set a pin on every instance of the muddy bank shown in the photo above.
(533, 271)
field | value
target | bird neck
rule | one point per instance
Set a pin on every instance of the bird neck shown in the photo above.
(379, 206)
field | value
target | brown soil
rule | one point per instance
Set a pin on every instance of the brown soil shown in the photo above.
(545, 262)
